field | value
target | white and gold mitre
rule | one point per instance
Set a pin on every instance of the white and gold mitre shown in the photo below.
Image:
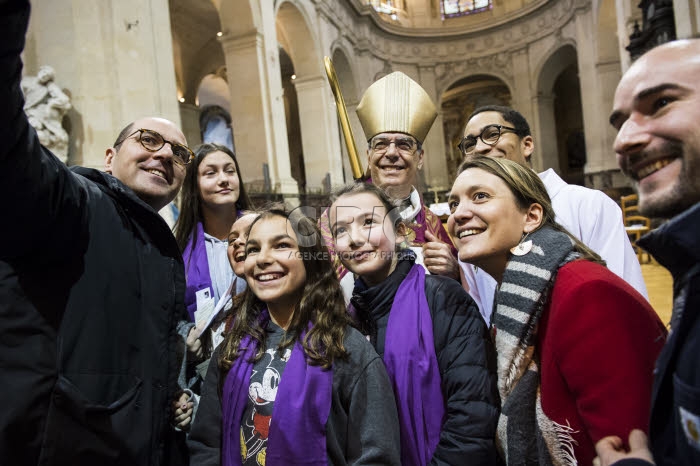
(396, 104)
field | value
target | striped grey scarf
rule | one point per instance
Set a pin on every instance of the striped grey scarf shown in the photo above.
(526, 436)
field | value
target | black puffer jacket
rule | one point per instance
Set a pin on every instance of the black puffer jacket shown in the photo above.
(91, 288)
(465, 354)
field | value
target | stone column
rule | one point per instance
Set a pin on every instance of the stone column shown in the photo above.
(189, 117)
(319, 131)
(520, 83)
(114, 58)
(623, 14)
(598, 81)
(435, 161)
(257, 110)
(545, 155)
(687, 16)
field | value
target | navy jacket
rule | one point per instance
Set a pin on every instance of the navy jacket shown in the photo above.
(674, 428)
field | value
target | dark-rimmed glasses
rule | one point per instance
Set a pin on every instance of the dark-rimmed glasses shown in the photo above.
(405, 145)
(489, 135)
(153, 141)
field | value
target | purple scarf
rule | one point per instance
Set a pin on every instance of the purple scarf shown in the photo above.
(298, 425)
(409, 356)
(196, 270)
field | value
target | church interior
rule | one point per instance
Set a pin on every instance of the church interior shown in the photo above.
(262, 61)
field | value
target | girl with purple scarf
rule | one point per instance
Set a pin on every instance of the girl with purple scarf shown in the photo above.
(428, 331)
(213, 197)
(293, 383)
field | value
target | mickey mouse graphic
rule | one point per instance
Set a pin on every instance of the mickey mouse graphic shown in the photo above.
(262, 392)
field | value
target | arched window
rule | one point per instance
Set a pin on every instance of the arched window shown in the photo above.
(388, 8)
(453, 8)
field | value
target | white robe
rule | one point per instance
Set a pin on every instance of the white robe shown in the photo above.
(588, 214)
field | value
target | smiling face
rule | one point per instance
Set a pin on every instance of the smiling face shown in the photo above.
(219, 185)
(509, 146)
(392, 168)
(365, 238)
(153, 176)
(274, 269)
(656, 112)
(236, 243)
(486, 221)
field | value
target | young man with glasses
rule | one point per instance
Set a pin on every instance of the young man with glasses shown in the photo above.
(590, 215)
(395, 134)
(91, 289)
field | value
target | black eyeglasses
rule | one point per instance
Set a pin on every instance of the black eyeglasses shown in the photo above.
(153, 141)
(404, 145)
(489, 135)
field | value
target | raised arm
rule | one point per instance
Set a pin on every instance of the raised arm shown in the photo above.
(42, 197)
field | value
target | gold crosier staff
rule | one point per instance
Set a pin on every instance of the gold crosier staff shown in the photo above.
(344, 121)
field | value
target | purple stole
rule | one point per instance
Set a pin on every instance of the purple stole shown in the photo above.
(196, 270)
(298, 425)
(410, 360)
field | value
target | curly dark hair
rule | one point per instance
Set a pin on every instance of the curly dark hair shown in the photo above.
(510, 115)
(322, 303)
(190, 205)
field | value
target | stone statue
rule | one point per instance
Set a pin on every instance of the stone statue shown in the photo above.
(45, 105)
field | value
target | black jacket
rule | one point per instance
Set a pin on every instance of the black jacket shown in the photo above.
(675, 408)
(465, 354)
(91, 288)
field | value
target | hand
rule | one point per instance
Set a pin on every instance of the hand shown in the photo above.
(182, 412)
(194, 344)
(438, 257)
(610, 449)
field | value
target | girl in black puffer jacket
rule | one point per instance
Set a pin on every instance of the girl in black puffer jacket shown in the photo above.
(427, 330)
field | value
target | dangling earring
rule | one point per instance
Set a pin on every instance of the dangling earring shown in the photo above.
(523, 247)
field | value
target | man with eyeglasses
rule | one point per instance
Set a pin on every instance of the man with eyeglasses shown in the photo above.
(590, 215)
(396, 115)
(91, 289)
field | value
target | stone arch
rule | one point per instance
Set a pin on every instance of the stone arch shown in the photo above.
(546, 69)
(559, 142)
(448, 75)
(606, 36)
(344, 69)
(458, 100)
(238, 17)
(296, 36)
(213, 90)
(317, 119)
(197, 53)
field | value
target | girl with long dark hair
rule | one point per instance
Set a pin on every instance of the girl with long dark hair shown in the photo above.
(293, 383)
(213, 196)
